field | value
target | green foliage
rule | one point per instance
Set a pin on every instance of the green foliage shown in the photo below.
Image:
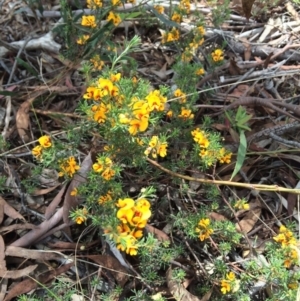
(4, 145)
(153, 257)
(241, 154)
(132, 126)
(178, 275)
(3, 184)
(240, 124)
(220, 13)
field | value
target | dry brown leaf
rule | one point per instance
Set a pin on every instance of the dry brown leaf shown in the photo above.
(177, 290)
(64, 245)
(1, 213)
(2, 254)
(22, 116)
(160, 235)
(3, 289)
(250, 218)
(115, 267)
(267, 60)
(10, 211)
(290, 8)
(234, 135)
(22, 120)
(31, 254)
(247, 7)
(38, 192)
(163, 73)
(290, 157)
(17, 273)
(217, 217)
(247, 49)
(55, 202)
(29, 284)
(234, 68)
(10, 228)
(239, 91)
(39, 231)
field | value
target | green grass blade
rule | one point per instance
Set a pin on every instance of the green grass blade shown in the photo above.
(241, 154)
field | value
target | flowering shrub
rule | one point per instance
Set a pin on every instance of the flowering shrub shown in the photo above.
(133, 124)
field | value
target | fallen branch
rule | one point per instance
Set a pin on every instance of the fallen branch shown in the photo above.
(258, 187)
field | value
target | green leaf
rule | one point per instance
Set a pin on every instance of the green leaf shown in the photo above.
(27, 67)
(241, 154)
(163, 19)
(77, 17)
(228, 117)
(78, 4)
(131, 15)
(8, 93)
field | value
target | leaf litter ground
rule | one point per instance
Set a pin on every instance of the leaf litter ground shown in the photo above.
(260, 73)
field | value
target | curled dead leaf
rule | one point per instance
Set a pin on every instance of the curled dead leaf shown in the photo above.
(9, 210)
(234, 68)
(250, 218)
(27, 285)
(106, 261)
(247, 7)
(177, 290)
(160, 235)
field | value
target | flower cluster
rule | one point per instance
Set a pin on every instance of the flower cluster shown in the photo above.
(68, 167)
(104, 165)
(89, 21)
(97, 62)
(186, 114)
(159, 8)
(285, 237)
(210, 155)
(201, 138)
(138, 119)
(185, 6)
(288, 241)
(156, 147)
(176, 17)
(94, 4)
(133, 216)
(181, 95)
(105, 198)
(103, 89)
(83, 39)
(115, 18)
(224, 156)
(171, 36)
(45, 142)
(228, 283)
(241, 204)
(197, 41)
(217, 55)
(116, 2)
(80, 215)
(200, 71)
(103, 92)
(204, 229)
